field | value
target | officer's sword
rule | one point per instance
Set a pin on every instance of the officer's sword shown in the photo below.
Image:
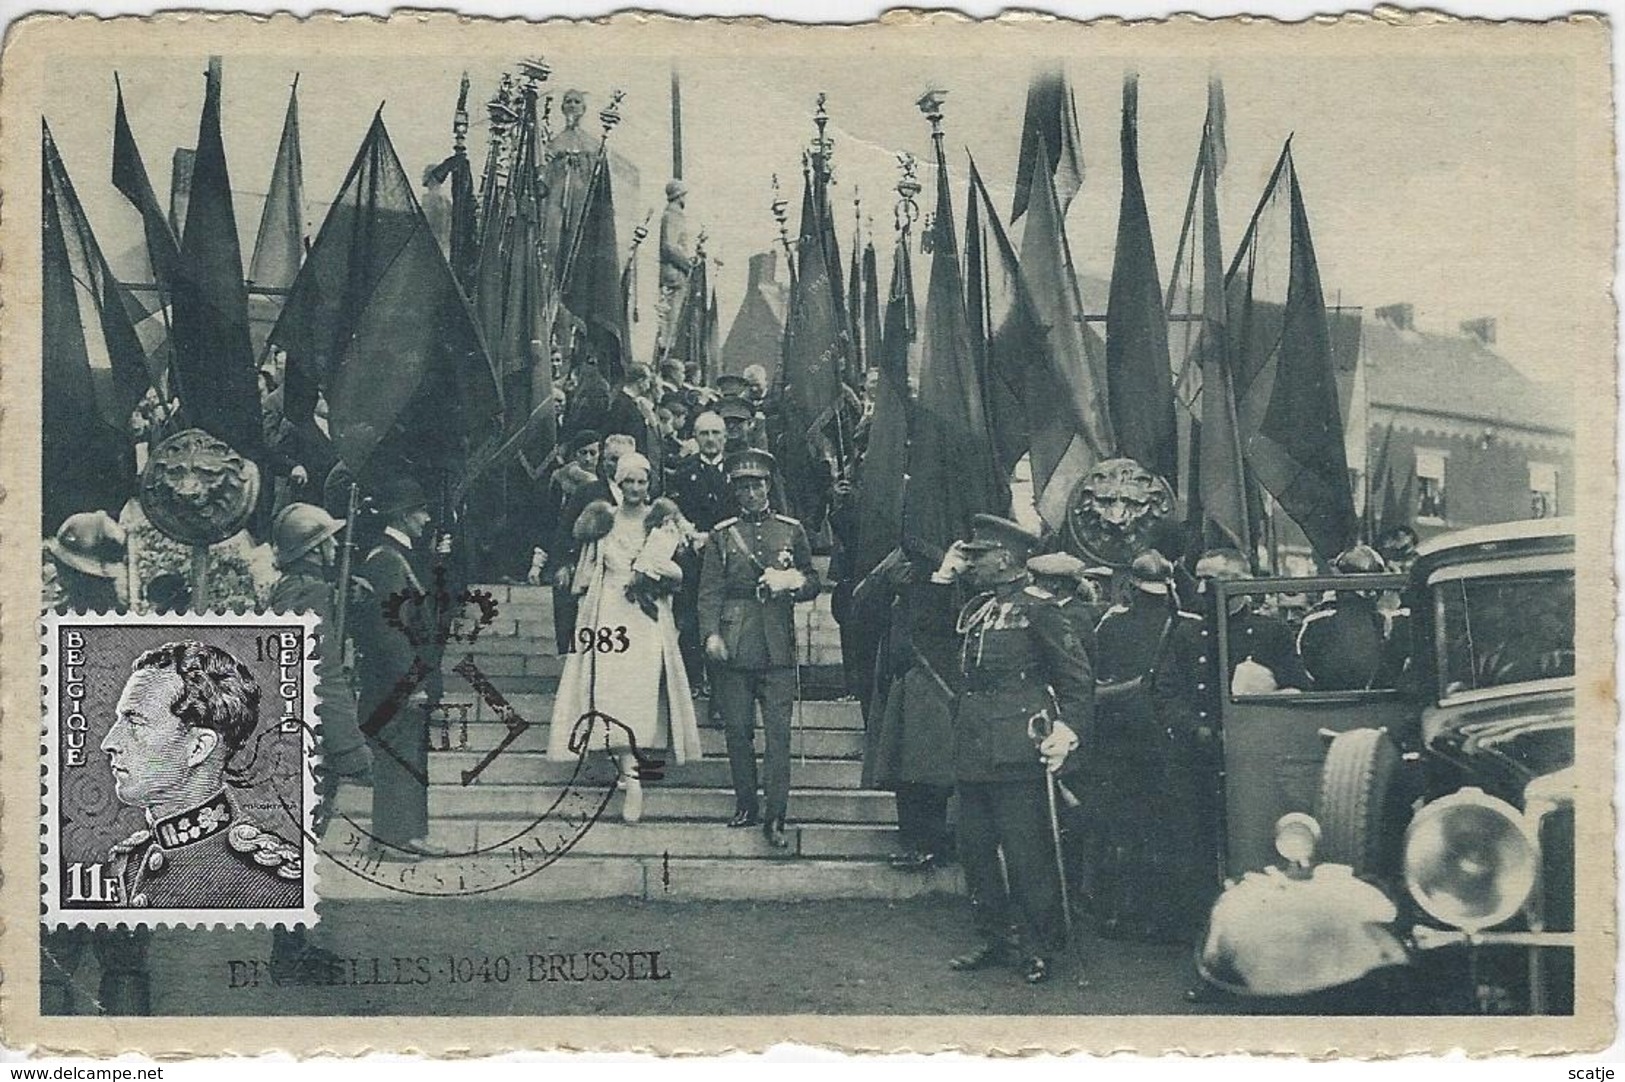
(1039, 726)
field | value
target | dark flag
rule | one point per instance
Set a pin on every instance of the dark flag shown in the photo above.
(1291, 427)
(1066, 398)
(859, 353)
(815, 345)
(713, 341)
(93, 368)
(592, 284)
(872, 314)
(953, 470)
(1212, 475)
(130, 178)
(883, 473)
(376, 322)
(279, 247)
(1139, 387)
(214, 357)
(1378, 487)
(1397, 503)
(515, 295)
(465, 224)
(1051, 122)
(1005, 327)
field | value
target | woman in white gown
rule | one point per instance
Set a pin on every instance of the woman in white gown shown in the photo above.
(627, 577)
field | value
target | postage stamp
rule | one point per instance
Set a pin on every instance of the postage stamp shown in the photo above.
(179, 759)
(928, 534)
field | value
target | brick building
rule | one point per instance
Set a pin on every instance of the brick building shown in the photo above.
(756, 335)
(1476, 440)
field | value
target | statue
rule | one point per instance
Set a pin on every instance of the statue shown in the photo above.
(676, 261)
(566, 173)
(1111, 512)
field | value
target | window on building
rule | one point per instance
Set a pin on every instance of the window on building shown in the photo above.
(1430, 492)
(1543, 490)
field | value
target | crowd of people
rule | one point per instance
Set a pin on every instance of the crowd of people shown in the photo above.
(1047, 723)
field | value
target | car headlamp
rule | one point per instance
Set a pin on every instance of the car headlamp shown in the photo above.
(1297, 835)
(1469, 861)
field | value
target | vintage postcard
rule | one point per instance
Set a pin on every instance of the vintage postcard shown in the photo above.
(691, 535)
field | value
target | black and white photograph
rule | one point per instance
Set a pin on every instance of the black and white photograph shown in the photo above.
(1020, 524)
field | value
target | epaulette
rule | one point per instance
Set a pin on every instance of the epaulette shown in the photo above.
(265, 849)
(1115, 610)
(1318, 614)
(140, 837)
(1191, 616)
(787, 520)
(725, 523)
(1039, 592)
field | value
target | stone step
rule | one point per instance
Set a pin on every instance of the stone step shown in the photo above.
(678, 879)
(661, 801)
(841, 744)
(689, 839)
(533, 768)
(536, 707)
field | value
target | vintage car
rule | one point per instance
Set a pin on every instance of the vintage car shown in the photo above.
(1411, 841)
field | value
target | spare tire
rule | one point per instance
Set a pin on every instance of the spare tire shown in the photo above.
(1359, 802)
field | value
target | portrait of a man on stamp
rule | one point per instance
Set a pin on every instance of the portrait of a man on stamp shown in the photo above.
(178, 771)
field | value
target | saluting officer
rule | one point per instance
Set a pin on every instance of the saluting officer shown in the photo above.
(1026, 689)
(757, 565)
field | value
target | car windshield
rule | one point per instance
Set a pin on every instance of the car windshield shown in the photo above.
(1499, 631)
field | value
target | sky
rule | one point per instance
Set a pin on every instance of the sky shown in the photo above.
(1434, 180)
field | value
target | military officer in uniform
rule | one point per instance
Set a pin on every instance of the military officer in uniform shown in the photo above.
(699, 485)
(398, 567)
(757, 566)
(187, 708)
(1262, 643)
(1026, 691)
(1344, 642)
(304, 539)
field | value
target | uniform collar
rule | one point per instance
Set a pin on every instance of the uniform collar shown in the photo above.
(399, 536)
(194, 824)
(756, 516)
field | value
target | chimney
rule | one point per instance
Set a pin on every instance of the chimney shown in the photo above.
(763, 270)
(1482, 329)
(1402, 316)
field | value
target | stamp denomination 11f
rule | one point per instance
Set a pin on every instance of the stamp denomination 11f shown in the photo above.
(178, 781)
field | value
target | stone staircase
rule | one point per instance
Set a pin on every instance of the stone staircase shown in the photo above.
(839, 836)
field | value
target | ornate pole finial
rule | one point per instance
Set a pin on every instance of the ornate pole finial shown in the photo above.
(930, 104)
(610, 115)
(535, 70)
(821, 150)
(907, 211)
(781, 215)
(459, 121)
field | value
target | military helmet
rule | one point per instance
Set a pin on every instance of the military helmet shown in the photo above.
(298, 528)
(90, 542)
(1359, 560)
(1151, 572)
(1226, 564)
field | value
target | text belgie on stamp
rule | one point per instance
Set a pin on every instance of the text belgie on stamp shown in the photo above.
(932, 534)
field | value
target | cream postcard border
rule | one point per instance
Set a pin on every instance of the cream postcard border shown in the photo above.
(30, 42)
